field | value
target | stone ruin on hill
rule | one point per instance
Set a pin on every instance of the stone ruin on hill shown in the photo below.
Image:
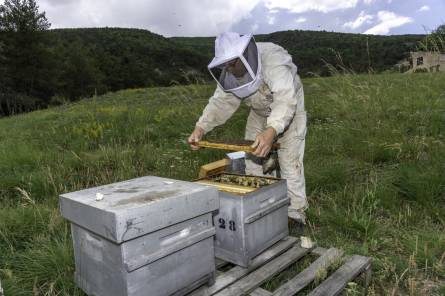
(427, 61)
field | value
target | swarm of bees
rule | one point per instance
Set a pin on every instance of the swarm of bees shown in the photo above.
(249, 181)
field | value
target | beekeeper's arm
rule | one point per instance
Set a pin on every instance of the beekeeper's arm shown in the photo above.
(287, 89)
(220, 108)
(280, 75)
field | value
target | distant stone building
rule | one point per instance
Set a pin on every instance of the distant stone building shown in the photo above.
(427, 61)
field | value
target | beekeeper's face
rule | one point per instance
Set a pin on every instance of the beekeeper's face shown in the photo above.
(236, 67)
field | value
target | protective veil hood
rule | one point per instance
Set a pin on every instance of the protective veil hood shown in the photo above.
(236, 66)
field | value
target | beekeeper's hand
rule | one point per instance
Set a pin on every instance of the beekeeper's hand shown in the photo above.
(196, 136)
(263, 142)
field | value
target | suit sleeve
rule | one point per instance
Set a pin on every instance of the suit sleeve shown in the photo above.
(287, 90)
(220, 108)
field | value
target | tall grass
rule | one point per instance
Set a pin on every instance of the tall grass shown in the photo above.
(374, 165)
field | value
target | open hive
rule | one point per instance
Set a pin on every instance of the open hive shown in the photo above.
(237, 184)
(247, 226)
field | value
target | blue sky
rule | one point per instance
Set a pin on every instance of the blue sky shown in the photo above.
(371, 16)
(210, 17)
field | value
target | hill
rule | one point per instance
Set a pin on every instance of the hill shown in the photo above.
(69, 64)
(128, 58)
(374, 165)
(312, 50)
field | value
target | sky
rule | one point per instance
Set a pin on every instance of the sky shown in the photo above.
(211, 17)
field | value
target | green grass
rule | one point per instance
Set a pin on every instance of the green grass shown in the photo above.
(375, 169)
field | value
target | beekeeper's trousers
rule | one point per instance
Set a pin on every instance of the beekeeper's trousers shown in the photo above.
(290, 155)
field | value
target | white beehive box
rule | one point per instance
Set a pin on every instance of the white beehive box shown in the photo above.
(146, 236)
(249, 220)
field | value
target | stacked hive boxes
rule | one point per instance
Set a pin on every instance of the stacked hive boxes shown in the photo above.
(146, 236)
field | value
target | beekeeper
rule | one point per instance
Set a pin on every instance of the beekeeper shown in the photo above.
(263, 76)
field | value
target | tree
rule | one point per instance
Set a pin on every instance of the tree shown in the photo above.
(2, 76)
(22, 16)
(80, 77)
(435, 41)
(2, 65)
(440, 30)
(438, 39)
(26, 54)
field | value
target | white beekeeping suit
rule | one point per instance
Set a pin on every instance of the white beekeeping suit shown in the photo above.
(274, 92)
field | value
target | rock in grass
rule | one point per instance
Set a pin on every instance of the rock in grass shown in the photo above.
(306, 242)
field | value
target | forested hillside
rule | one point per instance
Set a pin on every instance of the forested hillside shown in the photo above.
(125, 58)
(75, 63)
(40, 67)
(312, 50)
(69, 64)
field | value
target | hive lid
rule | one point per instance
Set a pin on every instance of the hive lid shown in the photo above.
(125, 210)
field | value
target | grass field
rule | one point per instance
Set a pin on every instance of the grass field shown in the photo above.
(375, 170)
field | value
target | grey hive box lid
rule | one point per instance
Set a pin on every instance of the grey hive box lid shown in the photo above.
(136, 207)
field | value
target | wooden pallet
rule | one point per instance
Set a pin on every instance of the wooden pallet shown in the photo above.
(247, 281)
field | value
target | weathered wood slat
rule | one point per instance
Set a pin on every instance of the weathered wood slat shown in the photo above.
(246, 281)
(219, 273)
(301, 280)
(262, 274)
(238, 272)
(335, 283)
(260, 292)
(319, 251)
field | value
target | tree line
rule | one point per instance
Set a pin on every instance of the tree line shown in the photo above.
(40, 67)
(316, 53)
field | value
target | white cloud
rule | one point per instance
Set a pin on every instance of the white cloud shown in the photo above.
(299, 6)
(361, 19)
(388, 20)
(185, 18)
(301, 20)
(424, 8)
(211, 17)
